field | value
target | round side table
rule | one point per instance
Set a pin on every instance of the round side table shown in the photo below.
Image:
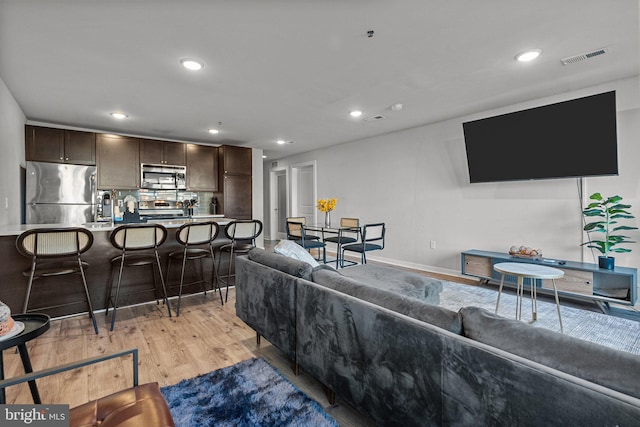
(531, 272)
(34, 325)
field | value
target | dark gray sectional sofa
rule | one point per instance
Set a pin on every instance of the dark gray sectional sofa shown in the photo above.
(402, 361)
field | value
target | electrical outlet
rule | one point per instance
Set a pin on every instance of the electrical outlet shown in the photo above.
(6, 203)
(119, 203)
(432, 244)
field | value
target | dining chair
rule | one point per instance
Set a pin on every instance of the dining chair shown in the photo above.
(138, 243)
(242, 235)
(55, 252)
(294, 233)
(373, 236)
(306, 242)
(196, 239)
(348, 232)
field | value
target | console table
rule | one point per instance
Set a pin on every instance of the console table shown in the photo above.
(581, 281)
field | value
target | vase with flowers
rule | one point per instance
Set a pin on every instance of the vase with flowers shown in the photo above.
(326, 206)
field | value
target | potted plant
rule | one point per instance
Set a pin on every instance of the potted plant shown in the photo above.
(607, 211)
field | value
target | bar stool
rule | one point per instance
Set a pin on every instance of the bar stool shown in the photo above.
(190, 236)
(55, 252)
(243, 234)
(139, 245)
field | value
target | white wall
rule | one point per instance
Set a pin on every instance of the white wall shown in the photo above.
(12, 121)
(416, 181)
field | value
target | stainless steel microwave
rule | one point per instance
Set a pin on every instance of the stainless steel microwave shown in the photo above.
(164, 177)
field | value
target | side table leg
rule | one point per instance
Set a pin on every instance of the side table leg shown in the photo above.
(555, 290)
(520, 291)
(500, 292)
(26, 362)
(534, 300)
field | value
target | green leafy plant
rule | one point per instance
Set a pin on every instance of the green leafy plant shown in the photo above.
(608, 210)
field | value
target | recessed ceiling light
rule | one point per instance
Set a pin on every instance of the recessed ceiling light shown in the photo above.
(264, 156)
(281, 142)
(116, 115)
(192, 64)
(214, 131)
(528, 55)
(356, 113)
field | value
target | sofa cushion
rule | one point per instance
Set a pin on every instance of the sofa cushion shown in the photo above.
(407, 283)
(293, 250)
(285, 264)
(596, 363)
(433, 314)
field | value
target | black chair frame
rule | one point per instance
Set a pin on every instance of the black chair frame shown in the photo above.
(130, 258)
(240, 244)
(38, 244)
(193, 250)
(368, 243)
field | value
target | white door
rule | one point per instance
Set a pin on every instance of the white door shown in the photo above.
(303, 191)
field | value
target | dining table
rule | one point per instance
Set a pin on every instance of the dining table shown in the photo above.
(339, 232)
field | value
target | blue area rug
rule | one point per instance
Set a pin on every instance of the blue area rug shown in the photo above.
(250, 393)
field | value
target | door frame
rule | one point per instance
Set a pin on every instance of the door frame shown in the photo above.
(273, 200)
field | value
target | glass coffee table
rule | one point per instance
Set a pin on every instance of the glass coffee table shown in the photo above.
(34, 325)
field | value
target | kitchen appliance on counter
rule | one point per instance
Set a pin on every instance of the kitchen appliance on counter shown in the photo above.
(159, 204)
(59, 193)
(163, 177)
(213, 207)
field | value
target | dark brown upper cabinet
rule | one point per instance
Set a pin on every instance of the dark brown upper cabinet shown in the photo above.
(235, 160)
(43, 144)
(163, 152)
(118, 159)
(202, 167)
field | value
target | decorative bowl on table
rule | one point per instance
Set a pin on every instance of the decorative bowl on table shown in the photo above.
(524, 252)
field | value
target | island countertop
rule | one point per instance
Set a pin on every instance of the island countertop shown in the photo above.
(17, 229)
(68, 290)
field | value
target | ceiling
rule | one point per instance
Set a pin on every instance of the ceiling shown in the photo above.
(293, 69)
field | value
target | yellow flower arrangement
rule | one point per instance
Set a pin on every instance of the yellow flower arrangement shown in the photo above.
(327, 205)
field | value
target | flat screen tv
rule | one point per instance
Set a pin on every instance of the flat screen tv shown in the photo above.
(575, 138)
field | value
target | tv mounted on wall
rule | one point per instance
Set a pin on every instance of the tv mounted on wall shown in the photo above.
(575, 138)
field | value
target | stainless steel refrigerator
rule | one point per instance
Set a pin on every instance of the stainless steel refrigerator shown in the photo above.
(60, 193)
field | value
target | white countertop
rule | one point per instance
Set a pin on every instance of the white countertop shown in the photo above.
(15, 230)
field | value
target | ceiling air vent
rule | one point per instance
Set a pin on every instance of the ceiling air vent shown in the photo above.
(583, 56)
(374, 118)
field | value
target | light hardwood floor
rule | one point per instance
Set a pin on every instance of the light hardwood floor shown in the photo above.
(206, 336)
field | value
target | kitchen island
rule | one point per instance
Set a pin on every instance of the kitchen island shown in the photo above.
(68, 289)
